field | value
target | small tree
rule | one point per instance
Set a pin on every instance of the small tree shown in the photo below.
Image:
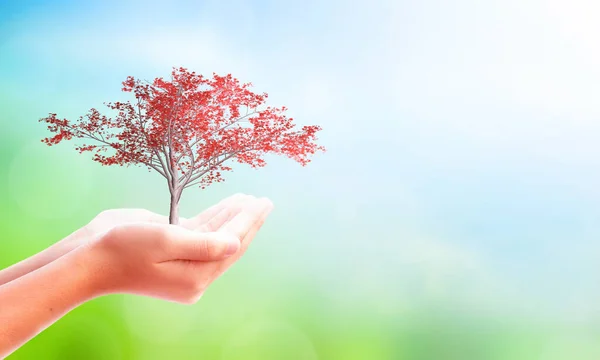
(186, 129)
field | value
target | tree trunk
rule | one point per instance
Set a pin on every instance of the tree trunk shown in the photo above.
(174, 211)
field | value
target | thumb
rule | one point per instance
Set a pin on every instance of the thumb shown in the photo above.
(184, 244)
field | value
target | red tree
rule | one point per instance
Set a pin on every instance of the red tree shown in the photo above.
(186, 129)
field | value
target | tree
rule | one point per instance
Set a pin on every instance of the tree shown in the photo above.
(187, 129)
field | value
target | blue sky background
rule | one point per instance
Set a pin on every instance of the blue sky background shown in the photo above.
(463, 157)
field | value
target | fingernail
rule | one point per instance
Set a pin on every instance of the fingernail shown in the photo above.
(232, 248)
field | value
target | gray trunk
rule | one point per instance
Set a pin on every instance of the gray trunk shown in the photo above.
(174, 210)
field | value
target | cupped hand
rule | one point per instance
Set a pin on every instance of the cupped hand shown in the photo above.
(172, 262)
(113, 218)
(109, 219)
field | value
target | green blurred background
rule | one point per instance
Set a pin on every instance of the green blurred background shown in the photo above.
(454, 216)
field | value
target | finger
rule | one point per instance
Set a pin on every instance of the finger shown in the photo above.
(209, 213)
(184, 244)
(216, 221)
(225, 215)
(245, 220)
(245, 243)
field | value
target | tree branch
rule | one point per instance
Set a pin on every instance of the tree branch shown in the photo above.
(189, 174)
(142, 124)
(169, 137)
(129, 155)
(197, 176)
(224, 127)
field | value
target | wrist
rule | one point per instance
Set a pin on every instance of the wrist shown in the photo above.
(88, 261)
(34, 301)
(40, 259)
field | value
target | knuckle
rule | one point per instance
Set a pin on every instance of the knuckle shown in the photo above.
(160, 234)
(105, 214)
(112, 238)
(209, 226)
(114, 233)
(203, 228)
(205, 247)
(217, 244)
(215, 223)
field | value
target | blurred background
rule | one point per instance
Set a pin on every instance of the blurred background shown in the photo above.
(454, 216)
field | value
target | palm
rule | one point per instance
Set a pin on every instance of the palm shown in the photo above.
(109, 219)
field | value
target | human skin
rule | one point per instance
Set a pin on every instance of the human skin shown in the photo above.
(107, 220)
(169, 262)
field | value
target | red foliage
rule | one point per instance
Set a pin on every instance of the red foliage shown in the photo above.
(188, 128)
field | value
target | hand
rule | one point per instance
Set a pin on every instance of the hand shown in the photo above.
(104, 222)
(169, 261)
(109, 219)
